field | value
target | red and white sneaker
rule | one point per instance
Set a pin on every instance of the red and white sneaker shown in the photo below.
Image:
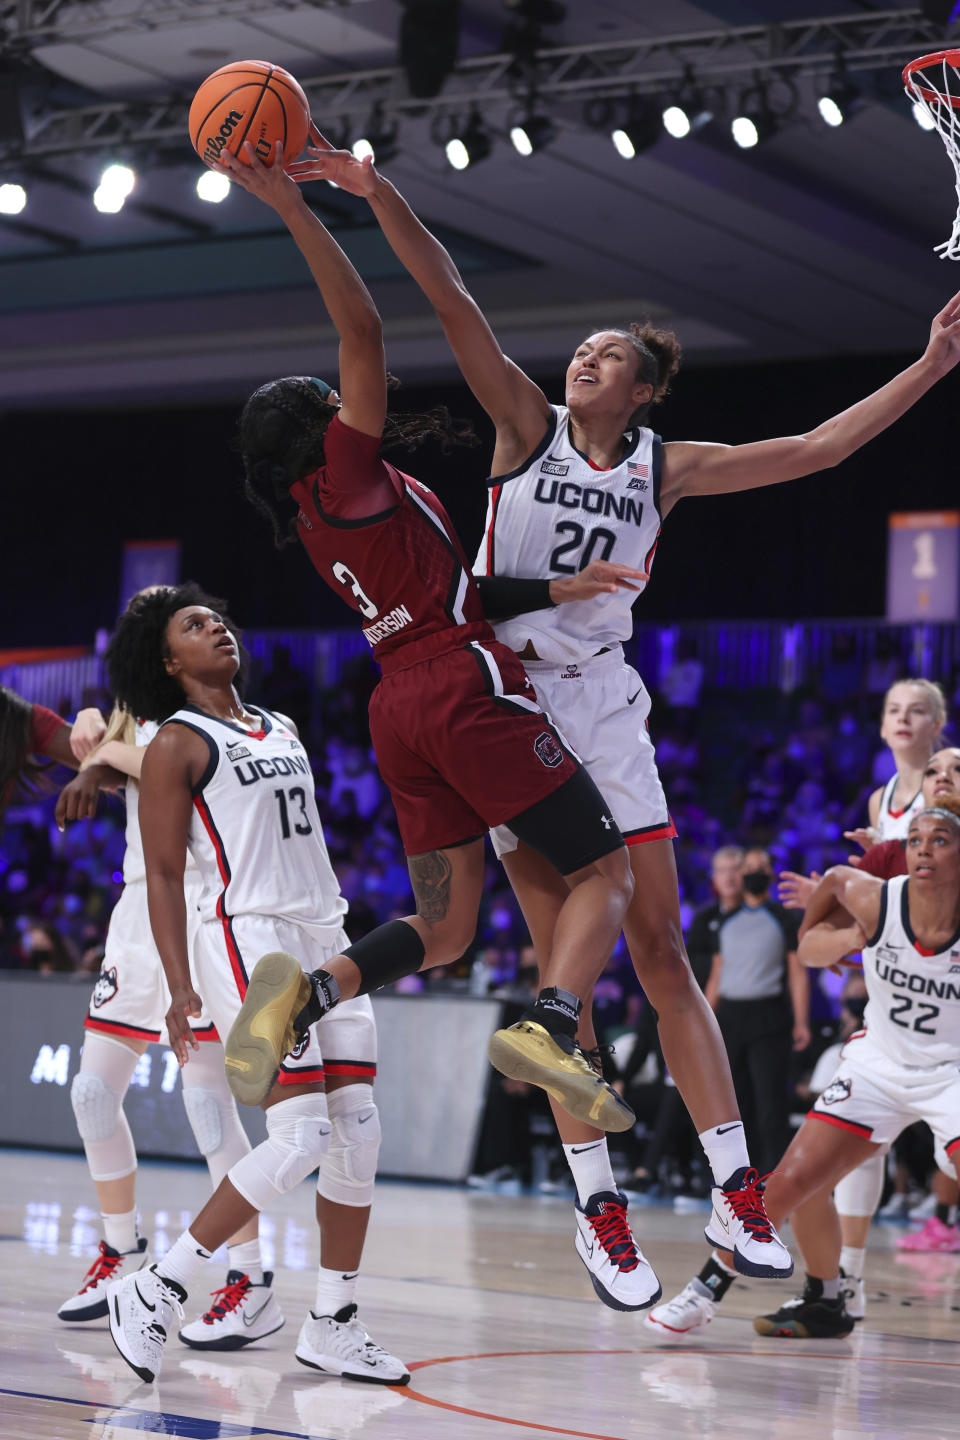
(619, 1273)
(739, 1223)
(241, 1313)
(90, 1301)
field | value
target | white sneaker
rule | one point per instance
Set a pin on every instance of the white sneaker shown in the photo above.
(739, 1223)
(924, 1209)
(142, 1307)
(619, 1273)
(339, 1345)
(854, 1296)
(241, 1313)
(691, 1310)
(898, 1207)
(90, 1301)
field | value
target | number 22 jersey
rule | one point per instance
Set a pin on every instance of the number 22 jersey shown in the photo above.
(555, 514)
(255, 830)
(913, 1011)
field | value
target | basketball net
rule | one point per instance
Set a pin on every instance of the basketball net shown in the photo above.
(933, 83)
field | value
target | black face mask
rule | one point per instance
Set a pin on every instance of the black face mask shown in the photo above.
(756, 882)
(856, 1004)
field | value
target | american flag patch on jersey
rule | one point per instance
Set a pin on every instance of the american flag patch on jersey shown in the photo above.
(635, 468)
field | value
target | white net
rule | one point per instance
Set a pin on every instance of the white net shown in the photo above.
(933, 84)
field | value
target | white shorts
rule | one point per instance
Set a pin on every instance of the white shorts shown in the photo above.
(224, 956)
(600, 706)
(130, 998)
(875, 1098)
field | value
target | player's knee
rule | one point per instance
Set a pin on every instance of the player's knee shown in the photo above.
(205, 1117)
(349, 1167)
(95, 1106)
(448, 939)
(298, 1133)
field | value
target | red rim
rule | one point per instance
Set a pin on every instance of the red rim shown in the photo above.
(933, 97)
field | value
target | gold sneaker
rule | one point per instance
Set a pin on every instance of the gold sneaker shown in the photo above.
(263, 1032)
(526, 1051)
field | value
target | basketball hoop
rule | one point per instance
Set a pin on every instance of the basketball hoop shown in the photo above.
(933, 83)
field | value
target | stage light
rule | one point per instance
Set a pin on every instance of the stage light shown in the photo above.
(754, 121)
(379, 140)
(468, 146)
(838, 102)
(116, 183)
(686, 114)
(532, 134)
(676, 122)
(922, 116)
(213, 186)
(640, 130)
(13, 198)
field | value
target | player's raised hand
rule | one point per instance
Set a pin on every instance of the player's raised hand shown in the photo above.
(943, 347)
(864, 837)
(270, 183)
(795, 890)
(357, 177)
(600, 577)
(183, 1004)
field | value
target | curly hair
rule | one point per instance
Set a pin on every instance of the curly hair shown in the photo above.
(281, 432)
(658, 360)
(16, 732)
(139, 647)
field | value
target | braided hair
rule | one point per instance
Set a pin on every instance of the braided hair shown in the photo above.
(16, 734)
(282, 427)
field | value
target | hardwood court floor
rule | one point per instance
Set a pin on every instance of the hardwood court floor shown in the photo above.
(484, 1297)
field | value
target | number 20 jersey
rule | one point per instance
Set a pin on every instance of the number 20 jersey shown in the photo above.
(255, 830)
(913, 1011)
(554, 515)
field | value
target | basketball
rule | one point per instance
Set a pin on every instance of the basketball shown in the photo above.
(249, 100)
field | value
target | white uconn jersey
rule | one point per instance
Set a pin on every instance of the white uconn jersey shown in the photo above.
(255, 831)
(891, 824)
(134, 867)
(553, 516)
(913, 1013)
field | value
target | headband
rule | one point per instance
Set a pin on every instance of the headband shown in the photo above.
(940, 813)
(322, 386)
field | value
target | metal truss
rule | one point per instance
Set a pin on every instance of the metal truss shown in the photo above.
(26, 24)
(738, 55)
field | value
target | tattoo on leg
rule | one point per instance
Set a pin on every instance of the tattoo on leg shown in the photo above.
(430, 876)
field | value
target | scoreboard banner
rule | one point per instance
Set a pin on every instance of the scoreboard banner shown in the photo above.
(923, 565)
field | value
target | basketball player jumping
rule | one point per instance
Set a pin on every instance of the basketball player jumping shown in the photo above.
(232, 784)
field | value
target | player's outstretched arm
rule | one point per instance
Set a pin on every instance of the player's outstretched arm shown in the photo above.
(850, 890)
(363, 377)
(704, 469)
(517, 406)
(507, 595)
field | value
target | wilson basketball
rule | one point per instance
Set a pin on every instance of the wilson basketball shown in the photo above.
(249, 100)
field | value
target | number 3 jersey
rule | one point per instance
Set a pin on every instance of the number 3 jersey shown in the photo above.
(255, 831)
(554, 515)
(913, 1011)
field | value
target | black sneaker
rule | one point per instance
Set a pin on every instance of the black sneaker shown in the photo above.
(808, 1317)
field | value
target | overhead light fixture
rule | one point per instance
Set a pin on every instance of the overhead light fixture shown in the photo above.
(379, 140)
(116, 183)
(470, 145)
(213, 186)
(838, 102)
(754, 121)
(640, 130)
(532, 133)
(687, 111)
(429, 40)
(13, 198)
(922, 116)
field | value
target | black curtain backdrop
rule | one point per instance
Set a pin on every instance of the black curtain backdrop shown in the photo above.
(78, 484)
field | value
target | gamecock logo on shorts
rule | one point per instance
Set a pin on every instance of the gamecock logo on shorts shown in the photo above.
(548, 751)
(105, 988)
(300, 1047)
(836, 1092)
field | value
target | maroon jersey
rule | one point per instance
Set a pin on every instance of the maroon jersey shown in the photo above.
(402, 568)
(886, 860)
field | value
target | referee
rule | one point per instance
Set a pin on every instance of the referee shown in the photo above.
(761, 995)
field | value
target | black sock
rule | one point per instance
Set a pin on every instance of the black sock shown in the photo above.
(326, 994)
(942, 1213)
(558, 1011)
(715, 1278)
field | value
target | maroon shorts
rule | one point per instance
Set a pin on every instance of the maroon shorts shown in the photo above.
(463, 745)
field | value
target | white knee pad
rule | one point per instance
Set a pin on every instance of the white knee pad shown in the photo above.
(298, 1133)
(349, 1168)
(212, 1112)
(96, 1095)
(859, 1192)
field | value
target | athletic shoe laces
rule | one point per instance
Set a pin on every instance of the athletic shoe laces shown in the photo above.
(227, 1299)
(747, 1204)
(613, 1232)
(102, 1268)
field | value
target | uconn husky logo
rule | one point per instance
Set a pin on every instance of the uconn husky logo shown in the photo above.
(837, 1092)
(105, 988)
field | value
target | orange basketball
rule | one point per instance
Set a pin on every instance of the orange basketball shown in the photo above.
(249, 100)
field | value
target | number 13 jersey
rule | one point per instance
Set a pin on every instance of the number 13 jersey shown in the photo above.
(554, 515)
(255, 830)
(913, 1011)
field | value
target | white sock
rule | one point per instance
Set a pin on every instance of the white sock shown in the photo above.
(725, 1147)
(184, 1261)
(851, 1261)
(589, 1162)
(120, 1231)
(246, 1257)
(831, 1288)
(335, 1289)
